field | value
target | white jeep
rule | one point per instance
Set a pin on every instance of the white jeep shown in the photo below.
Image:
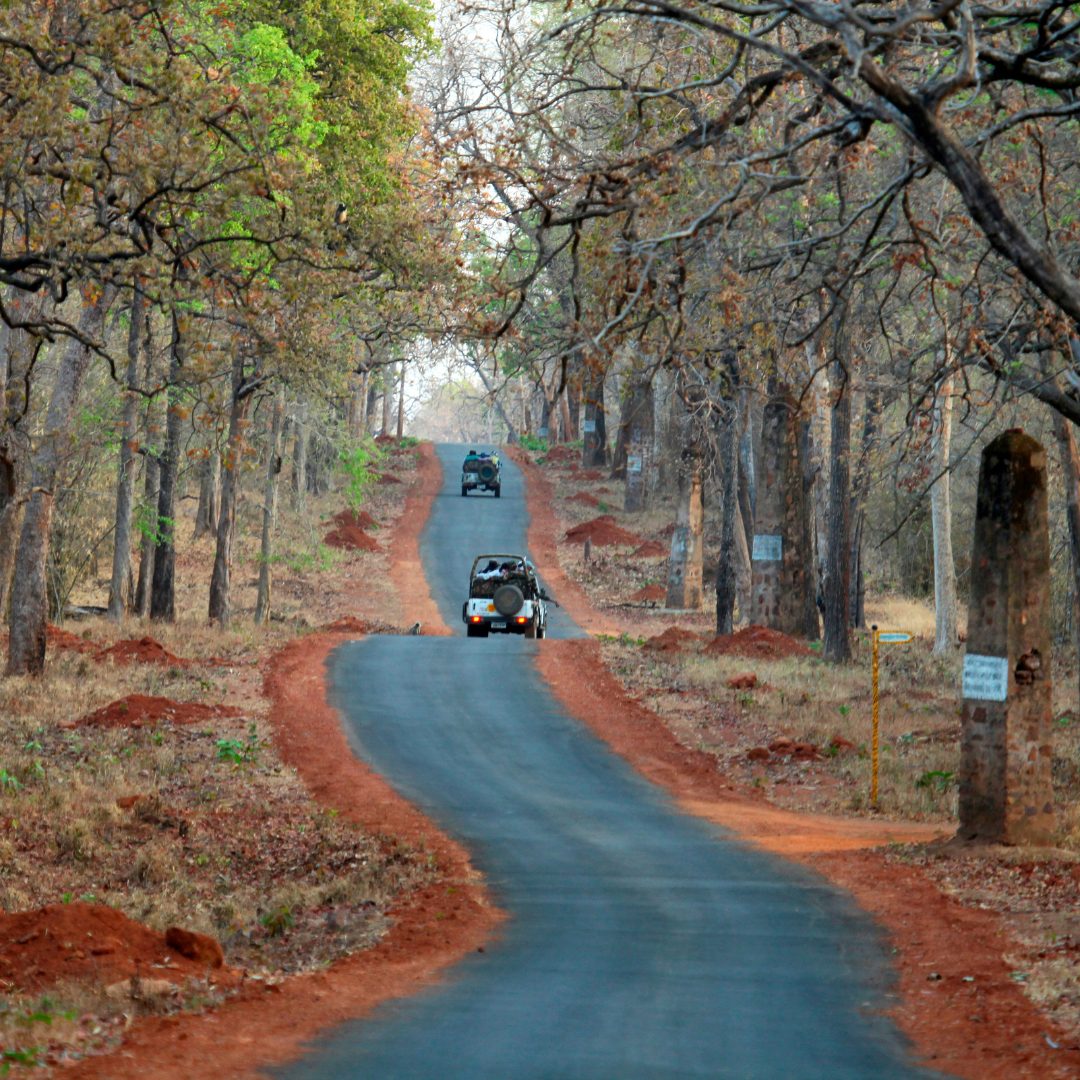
(505, 597)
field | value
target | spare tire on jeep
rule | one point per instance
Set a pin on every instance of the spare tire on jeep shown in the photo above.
(508, 599)
(487, 472)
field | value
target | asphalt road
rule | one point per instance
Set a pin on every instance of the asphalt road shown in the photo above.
(641, 942)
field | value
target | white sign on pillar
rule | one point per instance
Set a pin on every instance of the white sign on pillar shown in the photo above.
(986, 678)
(768, 547)
(589, 426)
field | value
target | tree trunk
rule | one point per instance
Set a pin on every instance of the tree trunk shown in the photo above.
(945, 611)
(635, 444)
(837, 620)
(273, 468)
(684, 586)
(151, 493)
(401, 402)
(206, 515)
(230, 490)
(594, 453)
(29, 593)
(125, 481)
(299, 467)
(163, 589)
(727, 564)
(387, 398)
(17, 352)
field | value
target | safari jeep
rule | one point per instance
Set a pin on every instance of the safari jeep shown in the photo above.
(505, 597)
(483, 472)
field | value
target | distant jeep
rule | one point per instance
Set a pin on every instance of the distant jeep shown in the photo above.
(481, 472)
(505, 597)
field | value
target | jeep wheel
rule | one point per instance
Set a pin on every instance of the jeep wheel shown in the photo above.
(530, 630)
(541, 631)
(472, 630)
(464, 490)
(487, 472)
(508, 600)
(498, 488)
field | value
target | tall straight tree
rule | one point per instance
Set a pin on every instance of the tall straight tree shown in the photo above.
(837, 643)
(163, 590)
(125, 480)
(29, 594)
(269, 509)
(243, 387)
(945, 608)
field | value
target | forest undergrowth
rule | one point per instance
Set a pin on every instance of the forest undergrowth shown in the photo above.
(144, 778)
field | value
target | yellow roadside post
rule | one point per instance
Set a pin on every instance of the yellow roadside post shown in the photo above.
(876, 636)
(874, 721)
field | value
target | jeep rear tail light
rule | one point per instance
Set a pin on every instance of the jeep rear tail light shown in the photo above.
(477, 618)
(522, 619)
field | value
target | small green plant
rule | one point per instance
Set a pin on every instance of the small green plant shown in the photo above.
(843, 710)
(937, 781)
(239, 753)
(9, 782)
(407, 442)
(534, 443)
(359, 462)
(278, 921)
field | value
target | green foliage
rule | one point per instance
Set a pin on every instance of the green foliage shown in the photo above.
(278, 921)
(937, 781)
(9, 782)
(534, 443)
(359, 462)
(239, 753)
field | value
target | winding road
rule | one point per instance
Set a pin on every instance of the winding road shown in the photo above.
(641, 942)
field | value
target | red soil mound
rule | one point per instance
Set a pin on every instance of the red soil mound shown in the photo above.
(651, 549)
(650, 593)
(559, 454)
(64, 639)
(757, 642)
(361, 519)
(603, 532)
(673, 639)
(584, 498)
(139, 710)
(144, 651)
(87, 941)
(351, 538)
(388, 478)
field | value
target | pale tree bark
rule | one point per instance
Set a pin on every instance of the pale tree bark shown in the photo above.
(387, 398)
(684, 585)
(401, 402)
(860, 489)
(29, 593)
(945, 607)
(270, 498)
(125, 480)
(220, 579)
(837, 644)
(163, 586)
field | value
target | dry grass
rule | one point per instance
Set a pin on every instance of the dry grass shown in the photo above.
(230, 844)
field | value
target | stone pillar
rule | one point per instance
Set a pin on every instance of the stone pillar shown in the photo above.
(1006, 793)
(778, 583)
